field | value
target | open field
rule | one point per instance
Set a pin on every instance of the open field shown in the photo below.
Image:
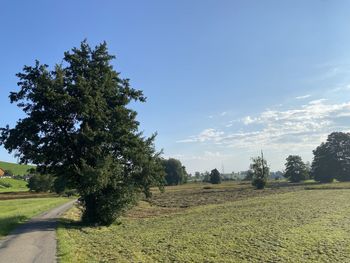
(17, 169)
(272, 226)
(15, 185)
(14, 212)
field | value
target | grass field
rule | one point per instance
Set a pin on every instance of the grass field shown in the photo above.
(272, 226)
(17, 169)
(14, 212)
(16, 185)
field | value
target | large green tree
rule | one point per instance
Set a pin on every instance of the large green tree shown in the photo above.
(175, 172)
(79, 128)
(295, 169)
(332, 159)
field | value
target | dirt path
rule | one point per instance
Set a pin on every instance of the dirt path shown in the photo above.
(34, 241)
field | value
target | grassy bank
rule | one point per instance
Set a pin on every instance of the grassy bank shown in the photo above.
(14, 212)
(297, 226)
(17, 169)
(14, 185)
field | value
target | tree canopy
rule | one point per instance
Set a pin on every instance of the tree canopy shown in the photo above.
(260, 172)
(79, 129)
(175, 172)
(332, 159)
(295, 169)
(215, 177)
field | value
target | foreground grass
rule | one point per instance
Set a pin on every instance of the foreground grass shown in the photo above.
(17, 169)
(300, 226)
(16, 185)
(14, 212)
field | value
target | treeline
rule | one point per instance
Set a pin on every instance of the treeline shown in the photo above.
(331, 161)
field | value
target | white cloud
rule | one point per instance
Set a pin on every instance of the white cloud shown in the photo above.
(303, 97)
(223, 113)
(205, 135)
(248, 120)
(294, 129)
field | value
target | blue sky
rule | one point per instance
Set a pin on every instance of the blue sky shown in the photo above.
(224, 79)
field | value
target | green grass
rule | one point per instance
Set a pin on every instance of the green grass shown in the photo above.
(17, 169)
(16, 185)
(297, 226)
(14, 212)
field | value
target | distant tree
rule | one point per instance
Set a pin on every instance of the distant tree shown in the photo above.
(186, 176)
(248, 175)
(332, 159)
(206, 177)
(197, 175)
(175, 172)
(308, 169)
(295, 169)
(40, 183)
(79, 127)
(260, 172)
(276, 175)
(215, 177)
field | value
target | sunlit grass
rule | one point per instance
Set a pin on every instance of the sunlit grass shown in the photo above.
(14, 212)
(301, 226)
(15, 185)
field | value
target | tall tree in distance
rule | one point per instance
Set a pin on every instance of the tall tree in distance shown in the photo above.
(215, 177)
(295, 169)
(332, 159)
(260, 171)
(175, 172)
(79, 129)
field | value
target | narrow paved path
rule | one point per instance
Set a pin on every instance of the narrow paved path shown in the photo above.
(34, 241)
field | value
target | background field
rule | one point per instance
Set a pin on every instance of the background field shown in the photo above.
(14, 212)
(285, 224)
(16, 185)
(17, 169)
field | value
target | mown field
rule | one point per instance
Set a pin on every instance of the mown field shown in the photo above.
(17, 169)
(12, 185)
(280, 224)
(14, 212)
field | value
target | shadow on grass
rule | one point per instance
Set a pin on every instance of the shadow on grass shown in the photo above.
(7, 224)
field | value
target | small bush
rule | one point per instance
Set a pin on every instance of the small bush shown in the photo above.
(70, 192)
(259, 183)
(40, 183)
(215, 177)
(207, 187)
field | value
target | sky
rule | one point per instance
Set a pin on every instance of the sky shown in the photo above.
(224, 79)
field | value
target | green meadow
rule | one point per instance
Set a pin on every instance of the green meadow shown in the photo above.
(279, 224)
(14, 212)
(12, 185)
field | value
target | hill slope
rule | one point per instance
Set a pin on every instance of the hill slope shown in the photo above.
(17, 169)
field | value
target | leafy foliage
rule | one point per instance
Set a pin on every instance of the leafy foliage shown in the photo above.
(295, 169)
(215, 177)
(175, 172)
(40, 183)
(79, 129)
(332, 159)
(260, 172)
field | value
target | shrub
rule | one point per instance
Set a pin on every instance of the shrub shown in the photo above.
(259, 183)
(40, 183)
(215, 177)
